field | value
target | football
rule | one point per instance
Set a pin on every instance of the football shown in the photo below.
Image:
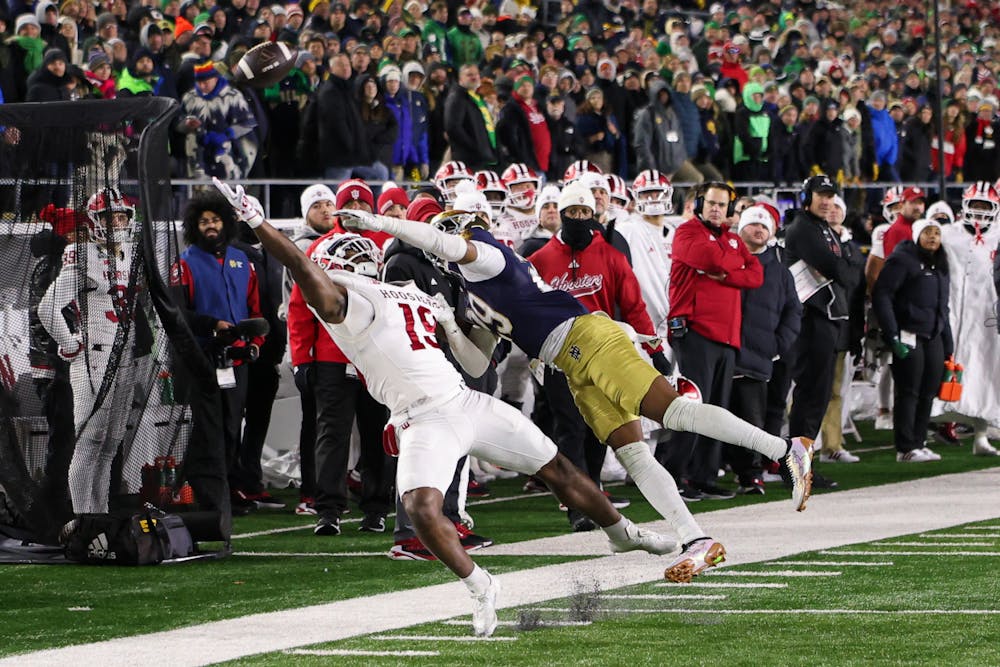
(265, 64)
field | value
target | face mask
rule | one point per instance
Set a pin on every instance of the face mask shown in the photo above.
(577, 234)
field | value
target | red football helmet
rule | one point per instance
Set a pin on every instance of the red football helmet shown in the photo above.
(980, 206)
(577, 169)
(653, 193)
(349, 252)
(618, 190)
(892, 201)
(494, 189)
(687, 388)
(449, 175)
(516, 174)
(99, 206)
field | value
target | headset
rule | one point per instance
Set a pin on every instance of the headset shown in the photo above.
(699, 200)
(806, 196)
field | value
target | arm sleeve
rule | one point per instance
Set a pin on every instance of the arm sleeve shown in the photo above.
(474, 360)
(489, 263)
(809, 246)
(253, 303)
(60, 294)
(303, 328)
(628, 297)
(751, 276)
(691, 247)
(421, 235)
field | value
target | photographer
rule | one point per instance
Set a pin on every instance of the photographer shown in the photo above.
(219, 290)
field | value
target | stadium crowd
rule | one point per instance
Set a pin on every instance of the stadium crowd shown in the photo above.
(771, 92)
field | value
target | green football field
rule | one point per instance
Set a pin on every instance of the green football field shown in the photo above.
(925, 598)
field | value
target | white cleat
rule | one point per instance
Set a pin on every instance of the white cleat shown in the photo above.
(982, 447)
(640, 539)
(839, 456)
(484, 610)
(697, 556)
(799, 461)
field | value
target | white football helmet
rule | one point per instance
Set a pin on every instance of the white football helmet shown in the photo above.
(980, 207)
(516, 174)
(349, 252)
(578, 169)
(99, 207)
(494, 190)
(618, 190)
(448, 176)
(653, 193)
(892, 201)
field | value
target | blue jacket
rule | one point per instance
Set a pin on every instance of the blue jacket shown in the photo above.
(772, 317)
(911, 294)
(886, 139)
(404, 151)
(690, 119)
(420, 115)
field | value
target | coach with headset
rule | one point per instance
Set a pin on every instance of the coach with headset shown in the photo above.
(710, 267)
(827, 270)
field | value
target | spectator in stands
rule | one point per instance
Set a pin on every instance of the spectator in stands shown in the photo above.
(468, 124)
(464, 47)
(824, 147)
(954, 142)
(49, 82)
(563, 135)
(219, 124)
(915, 149)
(886, 141)
(522, 132)
(982, 162)
(658, 137)
(381, 130)
(751, 152)
(218, 288)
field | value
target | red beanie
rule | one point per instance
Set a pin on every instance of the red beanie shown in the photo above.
(423, 209)
(391, 194)
(355, 189)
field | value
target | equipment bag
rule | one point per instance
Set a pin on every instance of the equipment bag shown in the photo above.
(128, 538)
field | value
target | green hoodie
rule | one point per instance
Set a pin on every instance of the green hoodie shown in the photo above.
(759, 124)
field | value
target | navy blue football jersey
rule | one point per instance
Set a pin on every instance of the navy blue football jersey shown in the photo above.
(517, 304)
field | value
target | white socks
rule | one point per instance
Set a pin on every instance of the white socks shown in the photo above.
(478, 580)
(717, 423)
(618, 532)
(659, 489)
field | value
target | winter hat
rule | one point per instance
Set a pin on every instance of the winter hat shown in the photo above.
(205, 71)
(938, 209)
(26, 19)
(413, 67)
(303, 58)
(839, 202)
(391, 194)
(182, 25)
(98, 58)
(354, 189)
(756, 215)
(576, 194)
(594, 181)
(548, 195)
(468, 198)
(313, 194)
(391, 73)
(851, 113)
(52, 55)
(423, 209)
(920, 225)
(104, 20)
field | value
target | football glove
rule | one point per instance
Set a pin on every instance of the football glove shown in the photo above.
(900, 349)
(247, 207)
(72, 349)
(357, 221)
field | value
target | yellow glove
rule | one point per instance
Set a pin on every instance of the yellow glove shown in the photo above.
(840, 177)
(815, 170)
(958, 177)
(875, 172)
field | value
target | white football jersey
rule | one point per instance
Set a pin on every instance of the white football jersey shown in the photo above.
(98, 282)
(513, 227)
(651, 248)
(388, 334)
(878, 240)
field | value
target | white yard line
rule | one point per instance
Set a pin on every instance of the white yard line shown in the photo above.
(700, 583)
(987, 554)
(441, 638)
(752, 534)
(606, 596)
(542, 623)
(932, 544)
(833, 563)
(363, 653)
(307, 554)
(963, 536)
(982, 528)
(774, 573)
(746, 612)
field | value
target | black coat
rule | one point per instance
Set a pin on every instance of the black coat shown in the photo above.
(466, 128)
(381, 126)
(810, 239)
(514, 136)
(982, 157)
(44, 86)
(772, 317)
(269, 275)
(333, 134)
(911, 294)
(825, 146)
(563, 153)
(915, 151)
(788, 164)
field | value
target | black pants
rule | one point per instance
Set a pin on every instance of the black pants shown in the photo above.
(307, 430)
(777, 397)
(710, 366)
(815, 358)
(748, 401)
(262, 387)
(339, 401)
(57, 400)
(916, 380)
(233, 401)
(573, 437)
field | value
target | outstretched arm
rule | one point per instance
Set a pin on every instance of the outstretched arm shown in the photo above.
(446, 246)
(327, 298)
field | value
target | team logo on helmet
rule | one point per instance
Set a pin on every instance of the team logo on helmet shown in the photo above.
(349, 252)
(100, 208)
(653, 193)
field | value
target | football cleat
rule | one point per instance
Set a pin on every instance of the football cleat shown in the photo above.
(696, 557)
(641, 539)
(484, 610)
(799, 461)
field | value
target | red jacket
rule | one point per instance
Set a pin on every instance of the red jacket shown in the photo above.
(599, 277)
(899, 231)
(308, 340)
(713, 308)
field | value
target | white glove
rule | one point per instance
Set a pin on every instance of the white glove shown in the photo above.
(72, 349)
(446, 317)
(248, 208)
(357, 221)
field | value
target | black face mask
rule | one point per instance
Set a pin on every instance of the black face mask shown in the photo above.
(577, 234)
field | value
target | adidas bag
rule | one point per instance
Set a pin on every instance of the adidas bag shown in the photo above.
(140, 538)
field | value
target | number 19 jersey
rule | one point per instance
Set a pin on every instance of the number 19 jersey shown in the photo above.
(388, 334)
